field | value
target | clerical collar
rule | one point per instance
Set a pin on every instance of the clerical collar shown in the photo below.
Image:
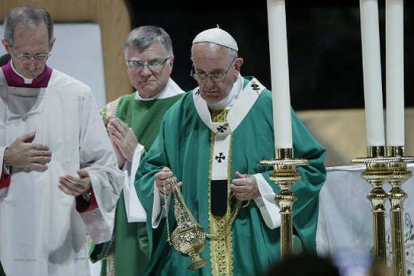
(228, 102)
(15, 79)
(171, 89)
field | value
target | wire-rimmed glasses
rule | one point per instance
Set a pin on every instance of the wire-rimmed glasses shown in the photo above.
(153, 65)
(215, 76)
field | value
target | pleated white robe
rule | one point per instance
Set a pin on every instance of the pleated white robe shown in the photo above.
(41, 232)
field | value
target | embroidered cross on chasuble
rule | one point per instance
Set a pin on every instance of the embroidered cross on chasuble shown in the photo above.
(220, 213)
(223, 208)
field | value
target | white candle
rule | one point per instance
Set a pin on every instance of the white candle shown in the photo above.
(279, 73)
(371, 59)
(395, 72)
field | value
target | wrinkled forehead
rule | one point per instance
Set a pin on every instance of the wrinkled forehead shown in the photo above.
(31, 33)
(209, 56)
(154, 51)
(30, 27)
(208, 49)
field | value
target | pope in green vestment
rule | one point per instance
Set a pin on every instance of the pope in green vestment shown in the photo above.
(197, 148)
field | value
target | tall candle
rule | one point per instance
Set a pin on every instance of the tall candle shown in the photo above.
(371, 59)
(395, 72)
(279, 73)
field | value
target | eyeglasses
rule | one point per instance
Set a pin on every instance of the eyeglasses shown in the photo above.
(219, 76)
(153, 65)
(41, 57)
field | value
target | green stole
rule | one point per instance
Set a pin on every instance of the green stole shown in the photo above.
(144, 117)
(184, 145)
(129, 245)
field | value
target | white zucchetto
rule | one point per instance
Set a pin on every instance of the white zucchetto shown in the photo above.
(217, 36)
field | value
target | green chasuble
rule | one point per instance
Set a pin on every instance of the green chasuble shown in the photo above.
(128, 250)
(184, 145)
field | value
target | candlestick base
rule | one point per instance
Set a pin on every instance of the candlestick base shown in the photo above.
(377, 173)
(285, 175)
(397, 196)
(380, 169)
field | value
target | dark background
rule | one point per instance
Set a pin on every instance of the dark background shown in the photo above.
(324, 44)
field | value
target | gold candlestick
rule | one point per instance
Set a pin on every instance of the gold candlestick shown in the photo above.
(400, 174)
(285, 175)
(377, 173)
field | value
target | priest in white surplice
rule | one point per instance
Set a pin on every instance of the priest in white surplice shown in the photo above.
(59, 176)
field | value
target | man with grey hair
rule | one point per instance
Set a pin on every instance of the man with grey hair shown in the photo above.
(133, 122)
(212, 141)
(59, 178)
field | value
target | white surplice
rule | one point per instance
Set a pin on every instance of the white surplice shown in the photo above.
(41, 232)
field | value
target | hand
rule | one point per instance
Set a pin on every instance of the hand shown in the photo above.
(160, 180)
(75, 186)
(245, 187)
(123, 137)
(22, 153)
(119, 157)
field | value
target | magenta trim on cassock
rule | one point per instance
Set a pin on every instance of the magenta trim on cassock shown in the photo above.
(16, 81)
